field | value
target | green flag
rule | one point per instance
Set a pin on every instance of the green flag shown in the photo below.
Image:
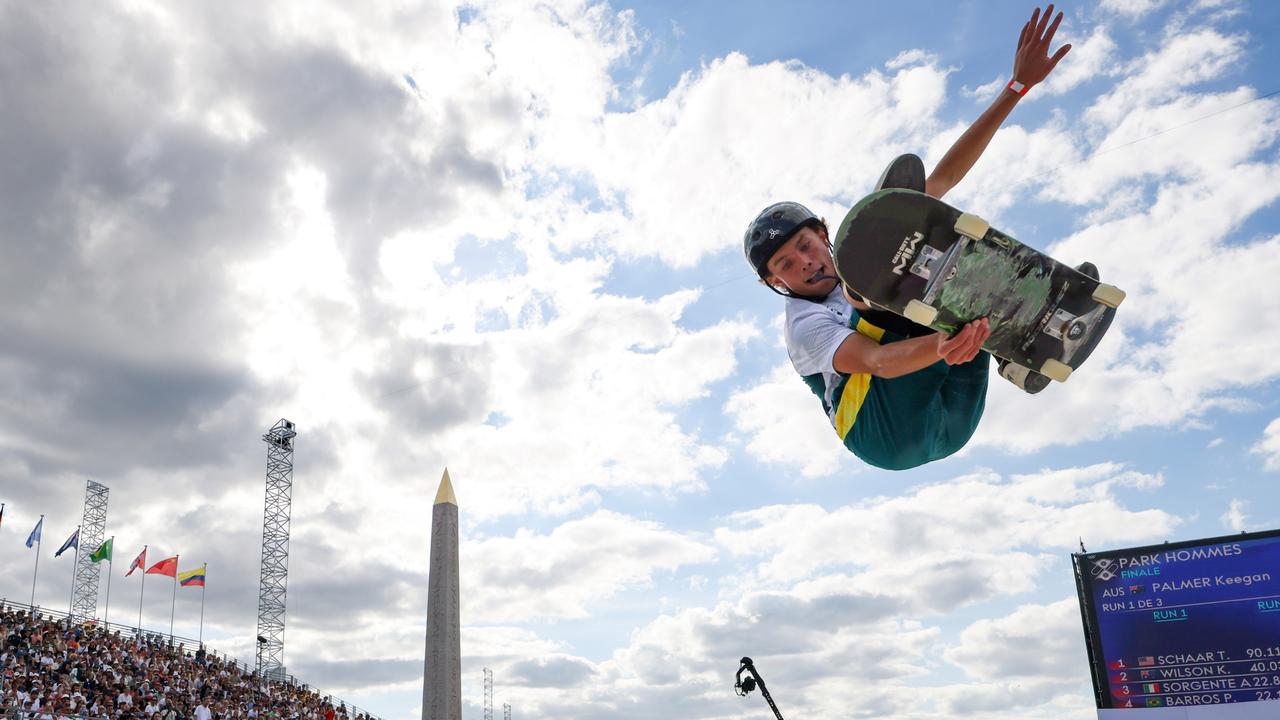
(103, 552)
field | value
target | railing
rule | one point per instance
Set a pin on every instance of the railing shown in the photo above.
(189, 647)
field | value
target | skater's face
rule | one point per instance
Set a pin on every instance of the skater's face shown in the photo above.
(803, 264)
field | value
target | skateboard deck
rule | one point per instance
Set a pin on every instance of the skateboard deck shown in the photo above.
(938, 266)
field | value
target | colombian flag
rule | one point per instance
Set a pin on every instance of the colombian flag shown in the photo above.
(192, 578)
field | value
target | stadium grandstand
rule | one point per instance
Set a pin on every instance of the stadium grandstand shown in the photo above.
(52, 668)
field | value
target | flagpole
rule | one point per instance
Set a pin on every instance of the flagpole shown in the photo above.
(142, 588)
(106, 611)
(37, 570)
(174, 603)
(75, 562)
(202, 588)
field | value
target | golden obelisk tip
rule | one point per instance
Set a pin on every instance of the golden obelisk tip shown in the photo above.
(445, 493)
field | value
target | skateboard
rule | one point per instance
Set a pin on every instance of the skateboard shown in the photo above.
(919, 257)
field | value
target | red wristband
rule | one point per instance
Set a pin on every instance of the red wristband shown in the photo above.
(1018, 88)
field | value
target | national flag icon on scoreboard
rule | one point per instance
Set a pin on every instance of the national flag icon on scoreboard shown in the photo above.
(1155, 702)
(1150, 688)
(1137, 589)
(1147, 674)
(1146, 661)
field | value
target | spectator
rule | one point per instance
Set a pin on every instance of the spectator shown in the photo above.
(48, 669)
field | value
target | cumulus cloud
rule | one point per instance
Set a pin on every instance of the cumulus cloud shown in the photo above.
(960, 521)
(837, 605)
(275, 221)
(1235, 518)
(559, 574)
(806, 442)
(1269, 446)
(1034, 641)
(1131, 8)
(1088, 59)
(735, 124)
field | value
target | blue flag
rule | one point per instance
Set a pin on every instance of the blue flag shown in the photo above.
(72, 542)
(34, 537)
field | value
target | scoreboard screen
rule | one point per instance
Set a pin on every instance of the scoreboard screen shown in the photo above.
(1184, 624)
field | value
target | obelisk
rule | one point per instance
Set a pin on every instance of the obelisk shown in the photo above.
(442, 673)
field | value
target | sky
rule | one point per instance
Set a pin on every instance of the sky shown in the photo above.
(505, 238)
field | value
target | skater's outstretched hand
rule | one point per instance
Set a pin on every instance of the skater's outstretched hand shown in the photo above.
(1031, 63)
(964, 345)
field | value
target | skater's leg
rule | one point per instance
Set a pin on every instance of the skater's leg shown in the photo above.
(963, 397)
(900, 425)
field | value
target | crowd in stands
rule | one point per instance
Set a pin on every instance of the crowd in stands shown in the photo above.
(49, 670)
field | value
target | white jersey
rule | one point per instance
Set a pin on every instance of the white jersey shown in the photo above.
(814, 331)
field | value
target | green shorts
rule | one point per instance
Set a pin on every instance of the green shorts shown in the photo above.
(908, 421)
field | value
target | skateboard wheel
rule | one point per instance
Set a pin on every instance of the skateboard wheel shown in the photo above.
(920, 313)
(972, 226)
(1056, 370)
(1108, 295)
(1023, 377)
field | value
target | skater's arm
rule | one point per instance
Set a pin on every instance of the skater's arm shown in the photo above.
(1031, 65)
(860, 354)
(966, 150)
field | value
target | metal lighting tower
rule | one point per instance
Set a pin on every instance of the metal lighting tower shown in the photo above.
(275, 550)
(506, 711)
(84, 594)
(488, 694)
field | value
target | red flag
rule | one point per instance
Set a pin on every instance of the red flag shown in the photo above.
(167, 566)
(138, 562)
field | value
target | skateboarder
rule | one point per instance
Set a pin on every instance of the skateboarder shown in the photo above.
(899, 395)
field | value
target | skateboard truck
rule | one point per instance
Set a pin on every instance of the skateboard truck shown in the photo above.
(927, 265)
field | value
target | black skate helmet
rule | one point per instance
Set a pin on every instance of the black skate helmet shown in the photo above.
(773, 227)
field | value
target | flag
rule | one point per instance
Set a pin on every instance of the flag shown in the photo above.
(192, 578)
(1150, 688)
(1154, 702)
(103, 552)
(34, 537)
(138, 562)
(1146, 674)
(167, 566)
(72, 542)
(1146, 661)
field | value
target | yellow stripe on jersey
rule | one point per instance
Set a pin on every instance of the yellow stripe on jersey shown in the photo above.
(856, 388)
(871, 331)
(851, 399)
